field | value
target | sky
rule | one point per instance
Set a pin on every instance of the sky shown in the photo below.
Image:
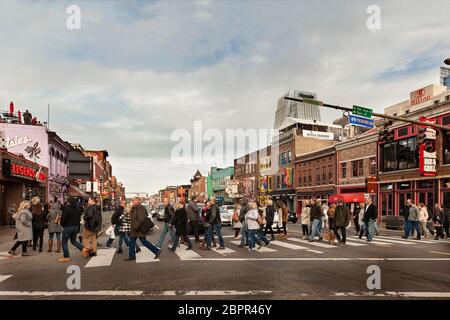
(136, 71)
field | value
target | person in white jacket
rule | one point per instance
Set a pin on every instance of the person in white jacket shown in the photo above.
(251, 219)
(305, 217)
(360, 219)
(423, 218)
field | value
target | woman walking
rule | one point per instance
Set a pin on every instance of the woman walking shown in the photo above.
(54, 227)
(423, 218)
(270, 216)
(305, 217)
(438, 218)
(237, 225)
(284, 216)
(260, 233)
(39, 217)
(179, 221)
(361, 220)
(356, 218)
(251, 219)
(125, 228)
(24, 227)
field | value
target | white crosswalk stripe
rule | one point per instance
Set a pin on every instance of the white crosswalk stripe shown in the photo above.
(224, 252)
(391, 241)
(407, 240)
(315, 244)
(145, 256)
(287, 245)
(262, 250)
(104, 258)
(375, 242)
(4, 277)
(184, 254)
(354, 244)
(6, 256)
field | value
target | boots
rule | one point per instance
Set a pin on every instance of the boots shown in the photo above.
(50, 246)
(58, 246)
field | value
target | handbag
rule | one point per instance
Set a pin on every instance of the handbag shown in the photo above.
(235, 217)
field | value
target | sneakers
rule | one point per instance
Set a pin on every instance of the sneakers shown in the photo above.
(221, 248)
(189, 248)
(13, 253)
(64, 260)
(119, 251)
(260, 246)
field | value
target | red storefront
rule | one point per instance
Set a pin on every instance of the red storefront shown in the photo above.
(20, 179)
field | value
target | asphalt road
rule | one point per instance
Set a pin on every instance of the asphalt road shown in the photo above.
(292, 269)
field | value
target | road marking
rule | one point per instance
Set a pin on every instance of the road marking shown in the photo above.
(314, 251)
(224, 252)
(287, 245)
(6, 256)
(317, 244)
(71, 293)
(262, 250)
(384, 244)
(437, 252)
(145, 256)
(216, 293)
(186, 254)
(387, 241)
(3, 278)
(319, 259)
(227, 236)
(394, 294)
(104, 258)
(349, 242)
(408, 240)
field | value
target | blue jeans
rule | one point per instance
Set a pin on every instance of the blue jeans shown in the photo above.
(216, 227)
(262, 236)
(110, 240)
(123, 237)
(315, 229)
(368, 229)
(177, 241)
(244, 234)
(70, 233)
(409, 226)
(57, 234)
(164, 231)
(252, 238)
(132, 249)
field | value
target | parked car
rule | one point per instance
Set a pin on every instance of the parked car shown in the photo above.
(160, 213)
(154, 211)
(229, 208)
(226, 216)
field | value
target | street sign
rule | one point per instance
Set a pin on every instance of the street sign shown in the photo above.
(360, 121)
(363, 112)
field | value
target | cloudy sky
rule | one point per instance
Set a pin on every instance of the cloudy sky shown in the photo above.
(137, 71)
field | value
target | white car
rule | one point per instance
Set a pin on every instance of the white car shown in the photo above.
(229, 208)
(226, 216)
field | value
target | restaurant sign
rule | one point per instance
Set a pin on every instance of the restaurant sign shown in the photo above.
(17, 169)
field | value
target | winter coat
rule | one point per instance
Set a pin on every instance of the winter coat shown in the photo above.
(438, 217)
(423, 216)
(24, 225)
(93, 219)
(331, 213)
(270, 214)
(316, 212)
(243, 212)
(71, 216)
(51, 218)
(38, 216)
(116, 215)
(179, 221)
(168, 213)
(305, 216)
(414, 213)
(342, 216)
(370, 213)
(213, 215)
(138, 215)
(251, 218)
(193, 211)
(125, 223)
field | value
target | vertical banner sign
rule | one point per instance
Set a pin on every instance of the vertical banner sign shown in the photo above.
(427, 149)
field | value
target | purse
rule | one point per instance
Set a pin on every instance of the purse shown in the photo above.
(235, 217)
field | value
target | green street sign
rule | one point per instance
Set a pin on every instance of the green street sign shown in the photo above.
(312, 101)
(363, 112)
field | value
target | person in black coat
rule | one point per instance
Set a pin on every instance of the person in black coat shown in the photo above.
(39, 221)
(92, 225)
(270, 216)
(370, 217)
(70, 221)
(179, 221)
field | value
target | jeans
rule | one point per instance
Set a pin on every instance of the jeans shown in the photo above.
(57, 235)
(343, 232)
(423, 229)
(368, 229)
(315, 229)
(244, 234)
(305, 229)
(177, 241)
(252, 238)
(262, 236)
(216, 227)
(145, 242)
(70, 233)
(412, 225)
(164, 231)
(123, 237)
(111, 240)
(357, 226)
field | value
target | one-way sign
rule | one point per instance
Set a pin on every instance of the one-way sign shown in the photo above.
(360, 121)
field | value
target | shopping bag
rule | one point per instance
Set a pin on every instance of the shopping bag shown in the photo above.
(110, 232)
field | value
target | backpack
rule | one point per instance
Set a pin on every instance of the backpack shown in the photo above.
(146, 225)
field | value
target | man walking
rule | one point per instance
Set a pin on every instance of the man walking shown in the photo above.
(168, 216)
(370, 216)
(92, 225)
(193, 216)
(215, 224)
(341, 221)
(413, 222)
(316, 214)
(70, 221)
(138, 216)
(116, 222)
(244, 230)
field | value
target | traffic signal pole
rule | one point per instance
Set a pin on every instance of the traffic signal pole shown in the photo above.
(379, 115)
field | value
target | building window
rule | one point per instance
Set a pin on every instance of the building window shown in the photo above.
(310, 177)
(330, 174)
(305, 181)
(318, 176)
(373, 166)
(358, 168)
(436, 102)
(400, 155)
(283, 182)
(324, 175)
(344, 170)
(446, 146)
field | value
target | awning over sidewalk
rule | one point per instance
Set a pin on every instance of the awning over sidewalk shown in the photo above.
(76, 192)
(347, 197)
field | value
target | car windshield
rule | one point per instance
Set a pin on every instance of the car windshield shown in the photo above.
(229, 207)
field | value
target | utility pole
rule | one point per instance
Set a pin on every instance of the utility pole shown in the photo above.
(380, 115)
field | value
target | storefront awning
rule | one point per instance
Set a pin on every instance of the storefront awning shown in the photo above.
(76, 192)
(347, 197)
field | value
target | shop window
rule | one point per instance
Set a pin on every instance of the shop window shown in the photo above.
(400, 155)
(402, 132)
(373, 166)
(344, 170)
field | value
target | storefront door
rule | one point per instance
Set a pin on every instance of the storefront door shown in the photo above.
(427, 198)
(402, 197)
(387, 204)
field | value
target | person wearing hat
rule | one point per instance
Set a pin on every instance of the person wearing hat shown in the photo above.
(341, 220)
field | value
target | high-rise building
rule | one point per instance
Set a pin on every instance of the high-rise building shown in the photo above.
(298, 110)
(445, 77)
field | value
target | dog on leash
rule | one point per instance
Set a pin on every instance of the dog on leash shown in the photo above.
(329, 236)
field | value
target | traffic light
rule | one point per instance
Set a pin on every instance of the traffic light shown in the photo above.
(421, 136)
(386, 135)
